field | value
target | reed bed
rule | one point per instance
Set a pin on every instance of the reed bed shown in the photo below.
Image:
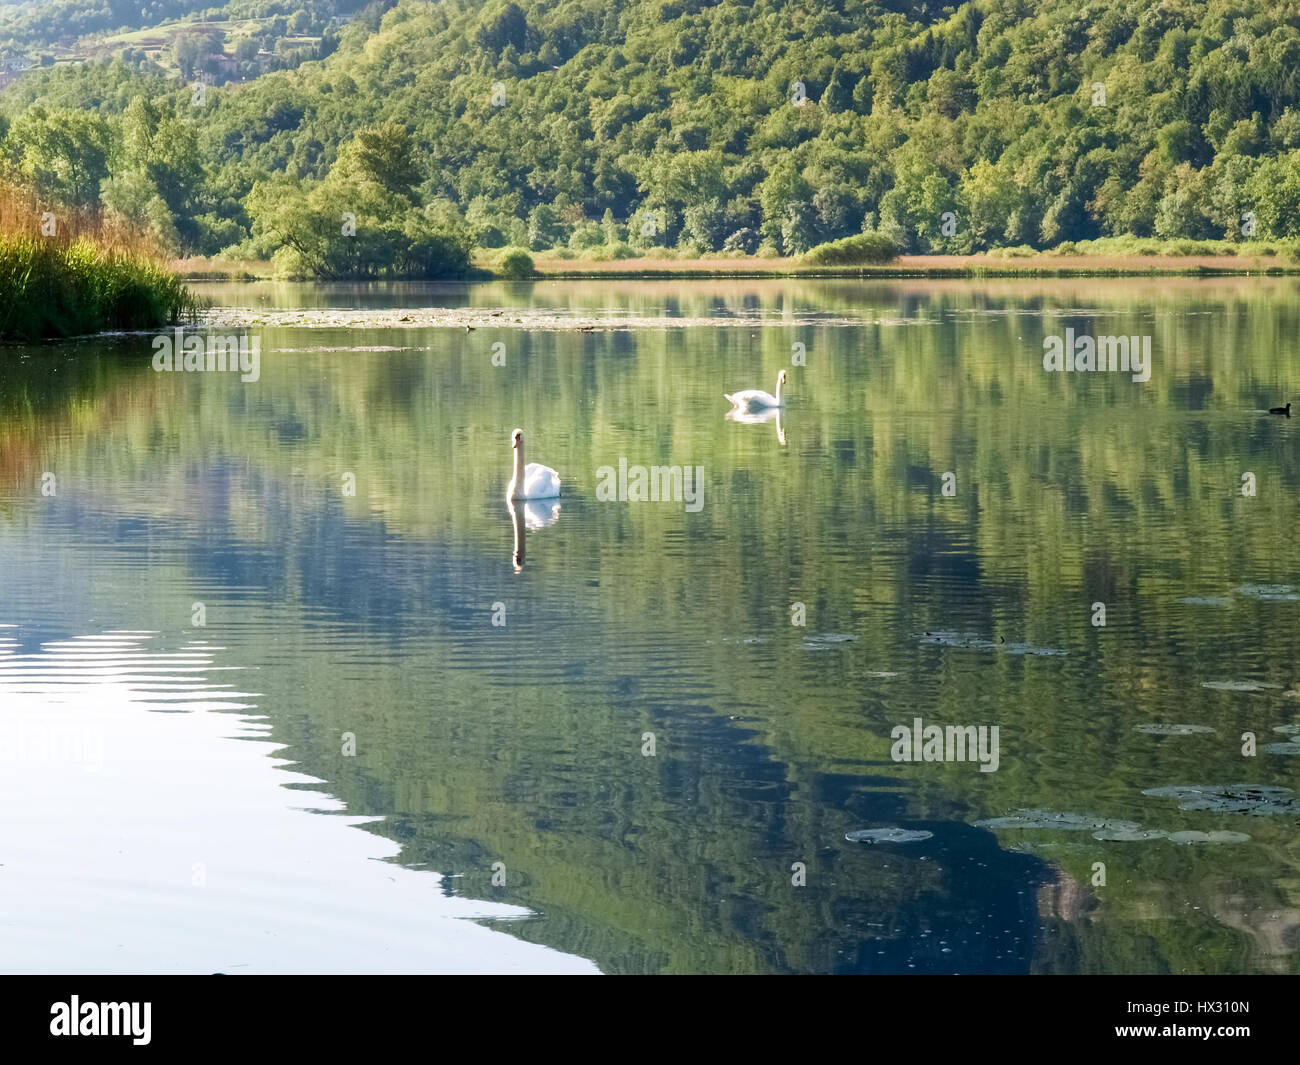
(93, 274)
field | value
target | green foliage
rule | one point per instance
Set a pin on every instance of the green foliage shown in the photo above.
(361, 220)
(515, 264)
(781, 124)
(863, 250)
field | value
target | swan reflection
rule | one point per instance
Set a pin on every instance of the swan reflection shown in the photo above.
(533, 514)
(755, 417)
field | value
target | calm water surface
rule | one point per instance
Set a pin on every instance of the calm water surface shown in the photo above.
(349, 767)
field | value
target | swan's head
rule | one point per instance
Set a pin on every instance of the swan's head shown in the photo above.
(516, 438)
(780, 378)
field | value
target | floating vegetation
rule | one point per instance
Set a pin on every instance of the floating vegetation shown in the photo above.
(1287, 730)
(888, 835)
(823, 641)
(1283, 748)
(974, 641)
(1239, 685)
(1208, 837)
(1173, 730)
(1067, 822)
(1256, 800)
(1268, 592)
(1129, 835)
(1207, 600)
(1291, 693)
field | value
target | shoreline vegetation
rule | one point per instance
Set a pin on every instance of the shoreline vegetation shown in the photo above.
(1114, 257)
(71, 272)
(683, 138)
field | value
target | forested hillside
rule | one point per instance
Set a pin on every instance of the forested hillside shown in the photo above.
(774, 125)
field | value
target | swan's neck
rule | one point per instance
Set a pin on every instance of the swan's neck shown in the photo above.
(517, 481)
(778, 389)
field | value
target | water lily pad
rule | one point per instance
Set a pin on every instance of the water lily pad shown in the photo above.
(1268, 591)
(1282, 748)
(1256, 800)
(823, 641)
(1208, 837)
(1172, 730)
(1067, 822)
(1239, 685)
(1129, 835)
(888, 835)
(976, 642)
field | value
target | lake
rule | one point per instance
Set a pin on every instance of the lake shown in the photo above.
(286, 687)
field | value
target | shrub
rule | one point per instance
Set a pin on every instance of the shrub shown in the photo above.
(515, 264)
(862, 250)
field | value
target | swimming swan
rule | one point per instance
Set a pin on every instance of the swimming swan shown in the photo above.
(756, 398)
(531, 481)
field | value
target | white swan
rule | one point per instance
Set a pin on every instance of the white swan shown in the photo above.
(756, 398)
(531, 481)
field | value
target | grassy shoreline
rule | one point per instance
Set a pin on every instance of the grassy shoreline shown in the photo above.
(907, 266)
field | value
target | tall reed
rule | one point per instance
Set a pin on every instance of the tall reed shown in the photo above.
(94, 273)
